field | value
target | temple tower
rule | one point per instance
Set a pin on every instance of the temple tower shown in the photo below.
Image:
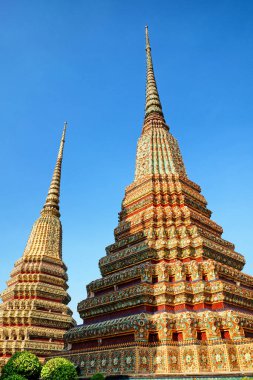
(172, 298)
(34, 314)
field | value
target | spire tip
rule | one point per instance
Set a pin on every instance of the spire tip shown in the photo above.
(147, 38)
(53, 197)
(153, 104)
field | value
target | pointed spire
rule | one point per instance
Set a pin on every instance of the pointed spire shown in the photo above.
(53, 197)
(153, 104)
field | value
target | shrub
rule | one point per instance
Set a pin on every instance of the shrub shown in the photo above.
(97, 376)
(59, 368)
(23, 363)
(15, 377)
(8, 368)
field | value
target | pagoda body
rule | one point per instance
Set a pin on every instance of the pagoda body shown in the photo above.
(34, 314)
(172, 298)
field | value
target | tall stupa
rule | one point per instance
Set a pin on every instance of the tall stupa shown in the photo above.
(34, 314)
(172, 299)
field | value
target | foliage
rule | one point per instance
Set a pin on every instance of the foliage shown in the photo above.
(59, 368)
(98, 376)
(23, 363)
(8, 368)
(15, 377)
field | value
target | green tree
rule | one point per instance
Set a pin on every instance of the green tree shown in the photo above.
(22, 363)
(59, 368)
(15, 377)
(98, 376)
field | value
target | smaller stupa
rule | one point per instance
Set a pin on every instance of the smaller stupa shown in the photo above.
(34, 314)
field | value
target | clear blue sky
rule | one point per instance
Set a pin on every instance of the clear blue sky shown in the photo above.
(84, 62)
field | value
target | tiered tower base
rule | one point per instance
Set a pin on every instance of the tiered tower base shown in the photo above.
(168, 359)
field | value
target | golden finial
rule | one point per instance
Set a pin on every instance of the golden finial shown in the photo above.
(53, 197)
(147, 38)
(153, 104)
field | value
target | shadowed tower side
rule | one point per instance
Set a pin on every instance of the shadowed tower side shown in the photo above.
(34, 314)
